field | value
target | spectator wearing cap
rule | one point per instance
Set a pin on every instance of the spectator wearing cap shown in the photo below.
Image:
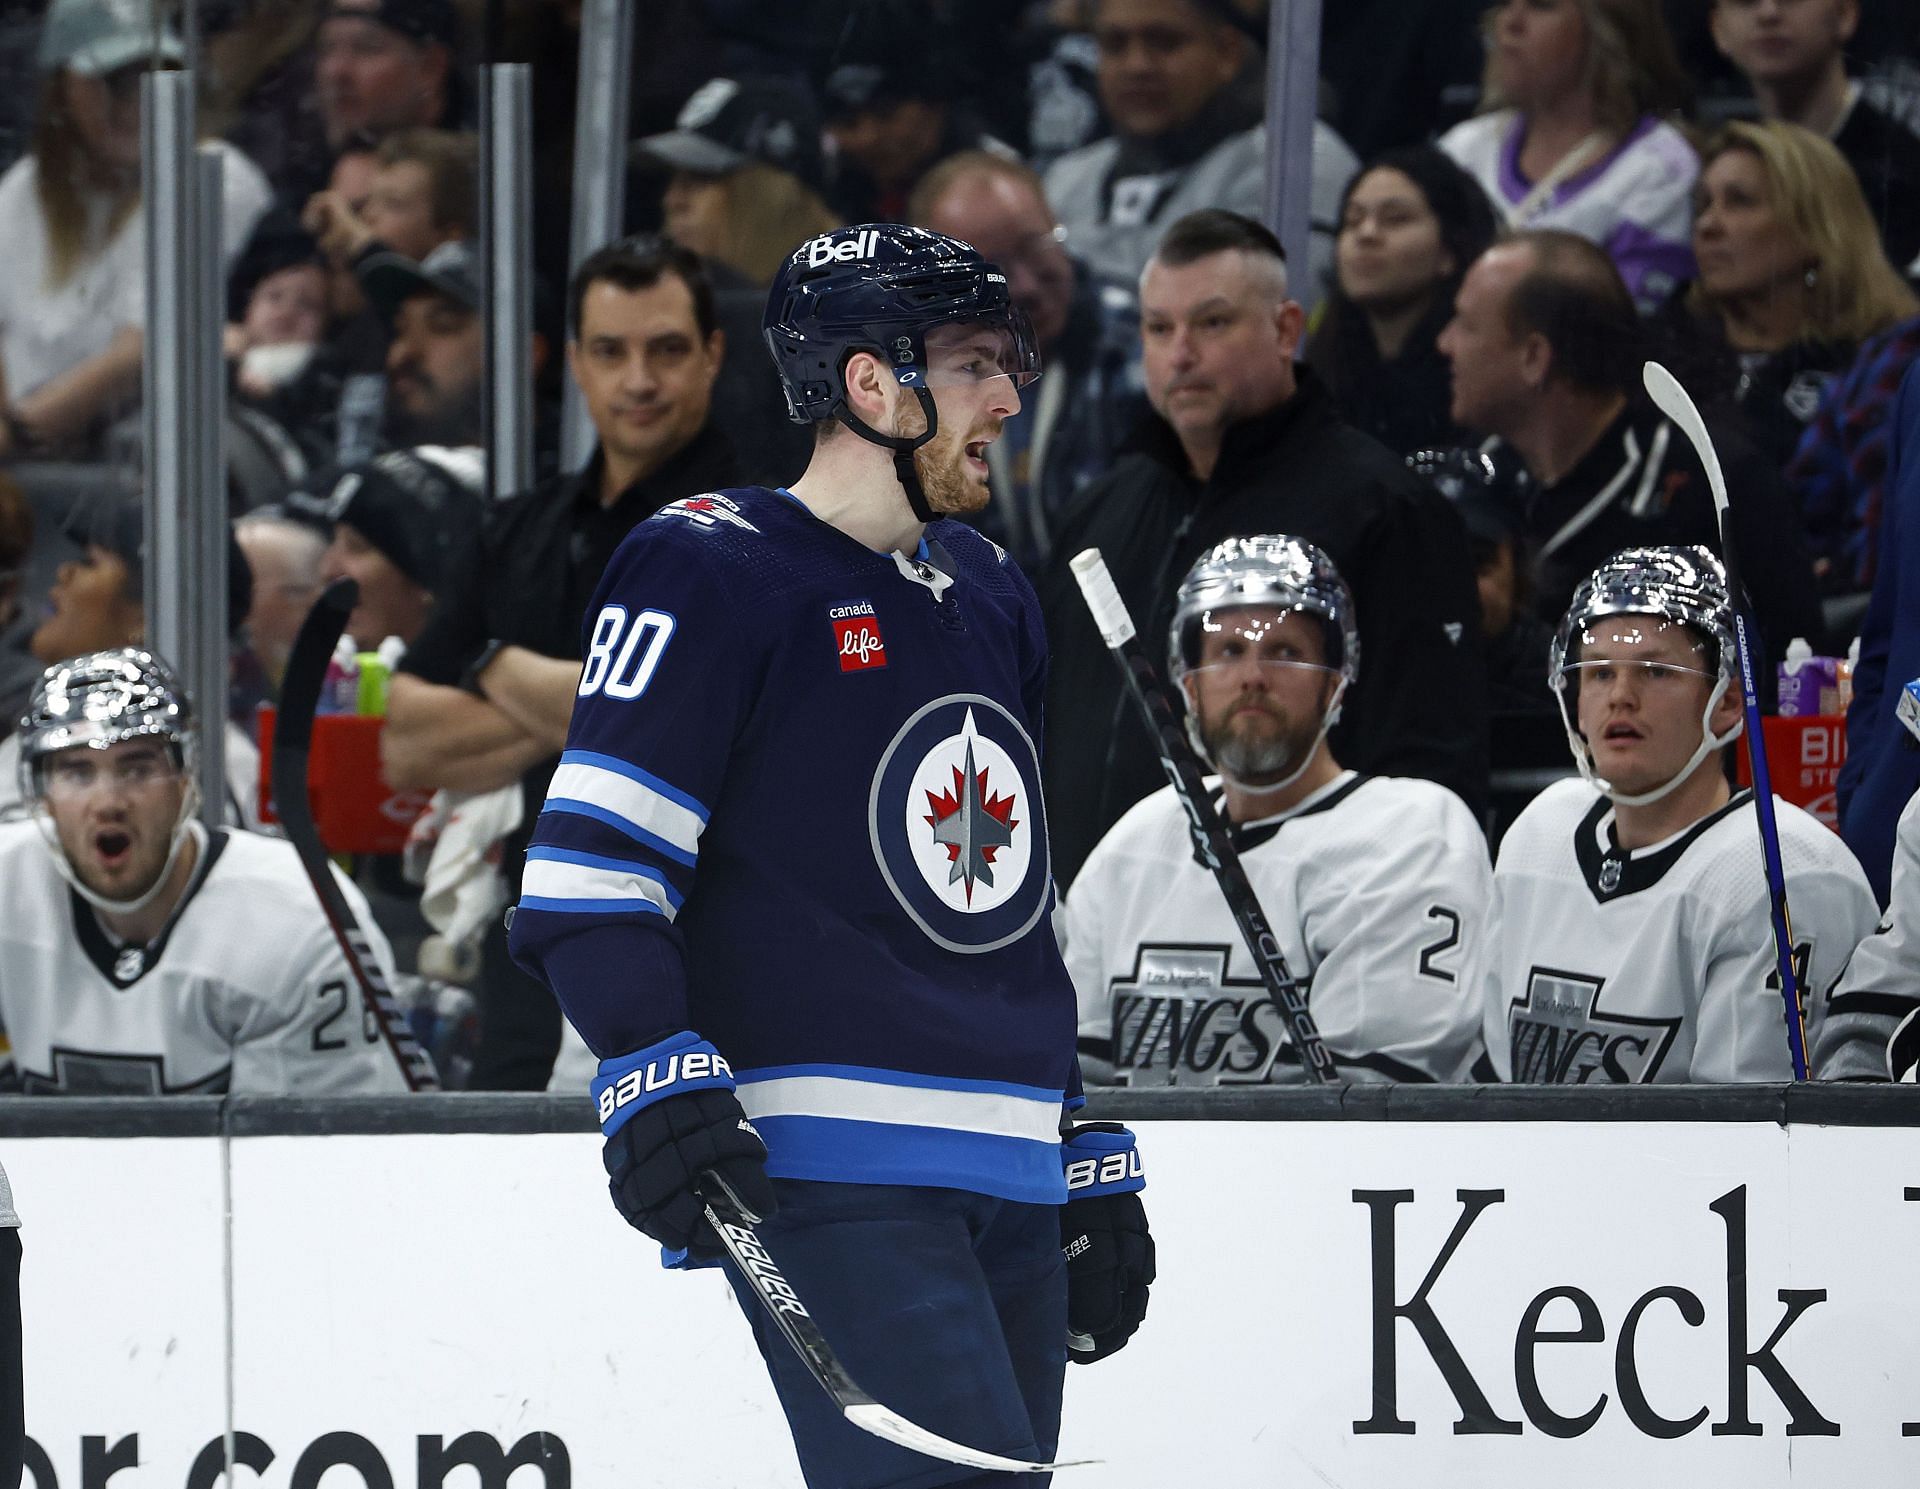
(1185, 136)
(396, 524)
(1088, 330)
(891, 112)
(745, 166)
(1794, 56)
(72, 300)
(1410, 224)
(384, 65)
(436, 363)
(97, 603)
(483, 698)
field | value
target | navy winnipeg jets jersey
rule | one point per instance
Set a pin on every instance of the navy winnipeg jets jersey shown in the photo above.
(799, 814)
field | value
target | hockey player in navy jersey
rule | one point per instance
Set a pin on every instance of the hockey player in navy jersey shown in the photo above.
(793, 867)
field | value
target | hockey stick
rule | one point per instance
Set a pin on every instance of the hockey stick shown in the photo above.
(1673, 401)
(1210, 837)
(300, 688)
(734, 1223)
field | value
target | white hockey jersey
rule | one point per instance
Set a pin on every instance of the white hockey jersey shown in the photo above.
(245, 990)
(1879, 988)
(1604, 965)
(1377, 888)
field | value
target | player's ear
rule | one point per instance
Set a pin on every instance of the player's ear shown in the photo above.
(867, 394)
(1726, 712)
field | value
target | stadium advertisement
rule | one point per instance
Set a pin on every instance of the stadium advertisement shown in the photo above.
(1362, 1304)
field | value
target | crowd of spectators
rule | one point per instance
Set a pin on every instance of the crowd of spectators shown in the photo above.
(1512, 207)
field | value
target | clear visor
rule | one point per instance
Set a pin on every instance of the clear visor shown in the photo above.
(968, 353)
(73, 775)
(1648, 650)
(1240, 638)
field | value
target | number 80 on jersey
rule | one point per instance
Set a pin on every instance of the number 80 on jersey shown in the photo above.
(623, 655)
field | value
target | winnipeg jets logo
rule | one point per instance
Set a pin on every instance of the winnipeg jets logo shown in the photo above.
(708, 511)
(957, 827)
(971, 823)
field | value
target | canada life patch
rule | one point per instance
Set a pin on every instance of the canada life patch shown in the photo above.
(856, 637)
(957, 827)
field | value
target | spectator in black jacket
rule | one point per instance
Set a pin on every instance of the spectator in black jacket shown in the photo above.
(1243, 441)
(483, 698)
(1546, 350)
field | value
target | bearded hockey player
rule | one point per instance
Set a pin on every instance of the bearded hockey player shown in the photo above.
(142, 954)
(793, 868)
(1631, 938)
(1377, 886)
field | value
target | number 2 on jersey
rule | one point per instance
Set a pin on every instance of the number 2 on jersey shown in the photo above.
(622, 656)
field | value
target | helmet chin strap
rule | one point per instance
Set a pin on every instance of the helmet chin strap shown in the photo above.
(1709, 742)
(902, 448)
(185, 828)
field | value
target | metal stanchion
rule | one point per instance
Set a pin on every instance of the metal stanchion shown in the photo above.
(507, 246)
(1293, 93)
(599, 173)
(185, 599)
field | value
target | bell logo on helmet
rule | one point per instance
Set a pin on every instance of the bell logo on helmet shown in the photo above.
(823, 251)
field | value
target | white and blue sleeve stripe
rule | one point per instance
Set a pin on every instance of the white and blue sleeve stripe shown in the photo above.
(571, 882)
(631, 801)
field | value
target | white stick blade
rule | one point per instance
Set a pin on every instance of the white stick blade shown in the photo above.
(895, 1428)
(1103, 599)
(1665, 390)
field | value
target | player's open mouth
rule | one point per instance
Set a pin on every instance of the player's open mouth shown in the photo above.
(1617, 732)
(976, 451)
(113, 846)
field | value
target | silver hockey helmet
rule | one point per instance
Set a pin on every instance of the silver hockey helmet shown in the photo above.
(1270, 569)
(1681, 585)
(98, 700)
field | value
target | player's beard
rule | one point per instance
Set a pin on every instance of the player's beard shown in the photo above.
(1254, 753)
(944, 478)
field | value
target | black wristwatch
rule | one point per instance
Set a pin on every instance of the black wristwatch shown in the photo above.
(470, 679)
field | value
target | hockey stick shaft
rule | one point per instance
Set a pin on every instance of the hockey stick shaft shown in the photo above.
(300, 689)
(734, 1224)
(1211, 839)
(1672, 398)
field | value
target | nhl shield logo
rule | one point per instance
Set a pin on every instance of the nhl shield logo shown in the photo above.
(957, 827)
(1609, 875)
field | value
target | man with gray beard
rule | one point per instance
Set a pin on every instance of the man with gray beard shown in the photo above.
(1376, 886)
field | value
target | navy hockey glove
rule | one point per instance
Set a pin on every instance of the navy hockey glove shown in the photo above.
(670, 1115)
(1103, 1231)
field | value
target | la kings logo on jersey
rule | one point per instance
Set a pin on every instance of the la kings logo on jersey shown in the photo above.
(1179, 1020)
(1561, 1036)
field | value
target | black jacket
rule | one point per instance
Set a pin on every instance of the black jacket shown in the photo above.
(1641, 483)
(1418, 707)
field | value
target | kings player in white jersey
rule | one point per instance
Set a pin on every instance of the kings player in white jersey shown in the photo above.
(1631, 938)
(141, 954)
(1376, 886)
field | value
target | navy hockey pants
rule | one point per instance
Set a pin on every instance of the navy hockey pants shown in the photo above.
(949, 1307)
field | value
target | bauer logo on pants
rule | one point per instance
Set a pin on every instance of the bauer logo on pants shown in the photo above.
(957, 827)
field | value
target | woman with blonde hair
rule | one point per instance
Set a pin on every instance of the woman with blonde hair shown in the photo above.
(1573, 133)
(742, 155)
(1792, 275)
(72, 300)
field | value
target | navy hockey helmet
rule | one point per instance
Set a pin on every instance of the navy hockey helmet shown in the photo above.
(1679, 585)
(880, 288)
